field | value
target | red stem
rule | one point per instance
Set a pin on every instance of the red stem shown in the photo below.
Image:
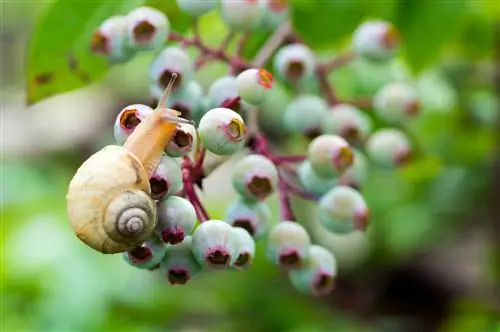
(286, 212)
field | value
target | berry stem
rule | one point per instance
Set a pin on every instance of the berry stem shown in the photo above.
(325, 86)
(286, 212)
(272, 44)
(338, 61)
(240, 47)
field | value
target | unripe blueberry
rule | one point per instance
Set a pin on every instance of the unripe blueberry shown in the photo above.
(246, 249)
(312, 182)
(288, 245)
(176, 219)
(242, 15)
(253, 84)
(389, 148)
(255, 177)
(222, 131)
(215, 245)
(317, 277)
(396, 102)
(343, 210)
(305, 114)
(182, 142)
(348, 122)
(356, 175)
(171, 59)
(253, 217)
(109, 40)
(166, 179)
(179, 263)
(197, 8)
(276, 12)
(147, 255)
(376, 40)
(330, 155)
(147, 28)
(186, 100)
(295, 62)
(127, 119)
(223, 90)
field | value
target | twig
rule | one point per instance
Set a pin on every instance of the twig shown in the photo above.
(325, 86)
(272, 45)
(286, 212)
(338, 61)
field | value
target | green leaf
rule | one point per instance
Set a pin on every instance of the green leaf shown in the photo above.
(179, 21)
(426, 27)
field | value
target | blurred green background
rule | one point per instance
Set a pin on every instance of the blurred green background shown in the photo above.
(429, 262)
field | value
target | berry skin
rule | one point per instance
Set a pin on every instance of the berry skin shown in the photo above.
(186, 100)
(179, 264)
(276, 12)
(171, 59)
(127, 119)
(166, 179)
(176, 219)
(317, 277)
(109, 40)
(253, 84)
(376, 40)
(356, 175)
(389, 148)
(312, 182)
(288, 245)
(223, 90)
(182, 142)
(348, 122)
(255, 177)
(396, 102)
(295, 63)
(305, 114)
(246, 249)
(147, 255)
(147, 28)
(343, 210)
(222, 131)
(253, 217)
(242, 15)
(197, 8)
(215, 245)
(330, 155)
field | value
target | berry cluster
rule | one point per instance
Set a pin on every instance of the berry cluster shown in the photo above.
(342, 141)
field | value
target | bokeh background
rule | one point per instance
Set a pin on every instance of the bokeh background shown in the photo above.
(429, 262)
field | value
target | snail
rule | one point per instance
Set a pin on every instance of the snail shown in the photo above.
(108, 200)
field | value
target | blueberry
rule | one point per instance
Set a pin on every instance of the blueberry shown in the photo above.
(348, 122)
(179, 264)
(396, 102)
(147, 255)
(182, 142)
(176, 219)
(255, 177)
(222, 131)
(246, 249)
(356, 175)
(215, 245)
(197, 8)
(288, 245)
(187, 100)
(389, 148)
(330, 155)
(109, 40)
(312, 182)
(166, 179)
(376, 40)
(343, 210)
(147, 28)
(253, 217)
(127, 119)
(171, 59)
(252, 85)
(305, 114)
(295, 63)
(317, 277)
(276, 12)
(242, 15)
(223, 90)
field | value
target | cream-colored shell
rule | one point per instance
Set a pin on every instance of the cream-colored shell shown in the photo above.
(108, 201)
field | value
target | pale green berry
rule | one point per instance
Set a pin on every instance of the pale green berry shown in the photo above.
(253, 85)
(348, 122)
(312, 182)
(110, 40)
(246, 249)
(215, 245)
(147, 28)
(187, 100)
(396, 102)
(295, 63)
(276, 12)
(166, 179)
(127, 120)
(176, 219)
(148, 255)
(317, 276)
(288, 245)
(389, 148)
(183, 141)
(179, 264)
(253, 217)
(255, 177)
(343, 210)
(376, 40)
(356, 175)
(223, 90)
(222, 131)
(330, 155)
(172, 59)
(196, 8)
(242, 15)
(305, 114)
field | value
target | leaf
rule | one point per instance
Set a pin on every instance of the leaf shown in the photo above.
(426, 26)
(179, 21)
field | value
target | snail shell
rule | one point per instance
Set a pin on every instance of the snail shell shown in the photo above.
(109, 206)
